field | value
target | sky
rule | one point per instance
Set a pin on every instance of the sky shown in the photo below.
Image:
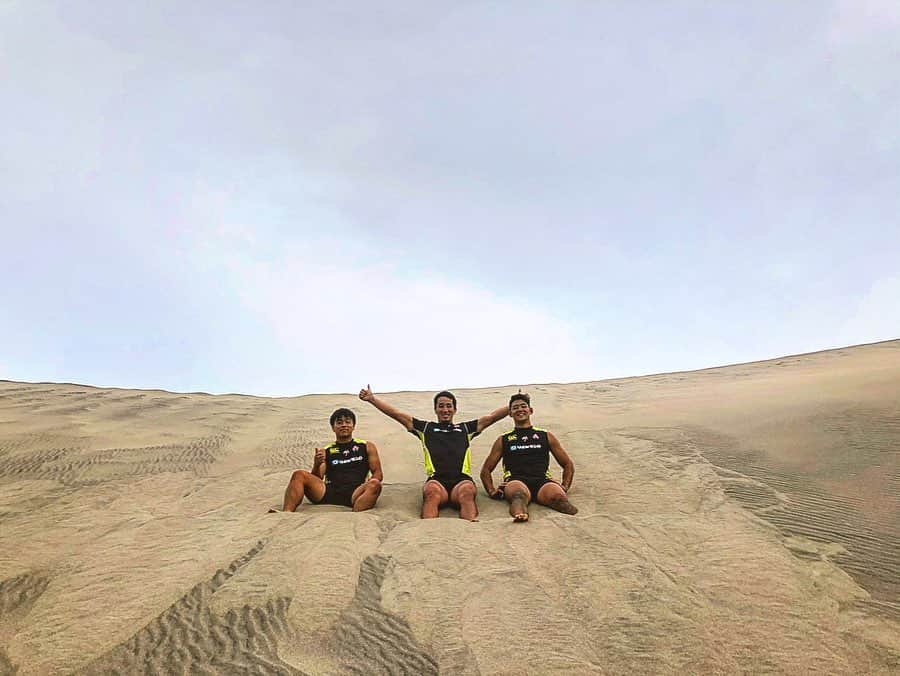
(285, 198)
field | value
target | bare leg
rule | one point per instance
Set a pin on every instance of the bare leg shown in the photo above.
(365, 495)
(553, 496)
(302, 483)
(518, 496)
(463, 495)
(433, 496)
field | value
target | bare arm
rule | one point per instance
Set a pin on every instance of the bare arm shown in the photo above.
(318, 467)
(490, 462)
(564, 461)
(404, 419)
(486, 421)
(374, 461)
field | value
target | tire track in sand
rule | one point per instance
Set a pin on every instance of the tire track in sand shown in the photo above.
(79, 467)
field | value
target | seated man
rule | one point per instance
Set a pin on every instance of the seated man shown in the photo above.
(525, 451)
(339, 471)
(447, 455)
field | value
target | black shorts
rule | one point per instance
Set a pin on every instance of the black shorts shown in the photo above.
(449, 482)
(338, 495)
(534, 484)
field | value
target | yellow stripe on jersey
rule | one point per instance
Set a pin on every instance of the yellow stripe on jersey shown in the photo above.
(429, 465)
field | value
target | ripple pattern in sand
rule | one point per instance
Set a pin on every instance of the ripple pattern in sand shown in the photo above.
(189, 639)
(17, 595)
(801, 507)
(20, 592)
(371, 640)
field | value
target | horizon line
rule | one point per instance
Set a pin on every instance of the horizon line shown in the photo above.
(464, 389)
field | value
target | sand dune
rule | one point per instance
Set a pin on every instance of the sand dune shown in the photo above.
(732, 520)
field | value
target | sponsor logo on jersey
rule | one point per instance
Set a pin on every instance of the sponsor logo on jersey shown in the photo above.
(455, 428)
(511, 437)
(524, 447)
(535, 436)
(339, 461)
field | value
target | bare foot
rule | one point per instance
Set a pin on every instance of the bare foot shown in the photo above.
(518, 508)
(562, 504)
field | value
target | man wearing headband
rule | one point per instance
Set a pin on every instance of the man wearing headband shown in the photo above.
(340, 470)
(525, 451)
(447, 454)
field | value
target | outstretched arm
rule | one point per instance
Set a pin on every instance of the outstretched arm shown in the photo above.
(490, 462)
(486, 421)
(404, 419)
(564, 461)
(374, 461)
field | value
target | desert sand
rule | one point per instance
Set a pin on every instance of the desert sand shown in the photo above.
(743, 519)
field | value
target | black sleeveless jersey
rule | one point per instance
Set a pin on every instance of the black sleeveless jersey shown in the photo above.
(446, 446)
(346, 464)
(526, 453)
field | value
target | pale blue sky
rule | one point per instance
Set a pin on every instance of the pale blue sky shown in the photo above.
(282, 198)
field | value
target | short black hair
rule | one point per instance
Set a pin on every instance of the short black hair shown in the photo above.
(445, 393)
(522, 396)
(342, 413)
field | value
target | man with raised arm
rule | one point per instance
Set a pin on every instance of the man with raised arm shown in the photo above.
(447, 454)
(340, 470)
(525, 451)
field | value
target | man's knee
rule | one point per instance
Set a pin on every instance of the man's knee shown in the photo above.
(300, 476)
(466, 491)
(433, 492)
(373, 484)
(550, 491)
(516, 490)
(516, 494)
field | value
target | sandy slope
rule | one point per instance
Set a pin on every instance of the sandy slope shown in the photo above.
(741, 519)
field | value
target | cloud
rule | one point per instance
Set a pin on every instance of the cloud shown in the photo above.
(333, 317)
(305, 198)
(858, 20)
(877, 315)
